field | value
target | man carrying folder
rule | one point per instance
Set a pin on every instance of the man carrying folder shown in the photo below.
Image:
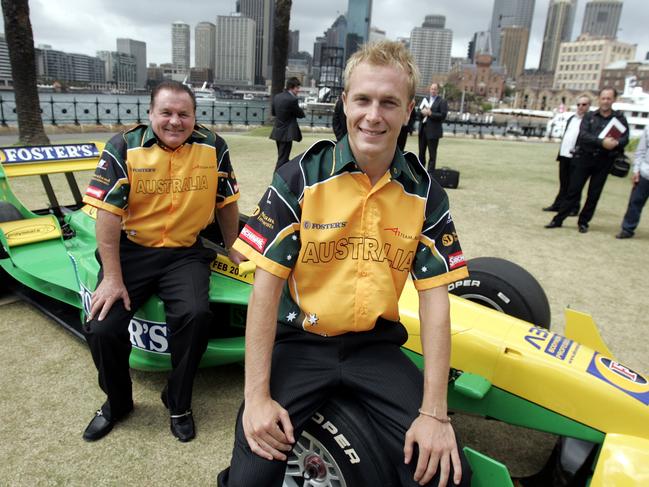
(602, 137)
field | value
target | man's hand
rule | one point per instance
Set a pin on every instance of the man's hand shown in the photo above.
(108, 291)
(236, 257)
(427, 112)
(268, 429)
(609, 143)
(437, 446)
(635, 179)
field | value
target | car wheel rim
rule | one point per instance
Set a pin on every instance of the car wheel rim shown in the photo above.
(310, 464)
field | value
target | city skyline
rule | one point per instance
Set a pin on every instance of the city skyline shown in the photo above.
(88, 26)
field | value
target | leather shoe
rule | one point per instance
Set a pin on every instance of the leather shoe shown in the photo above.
(583, 228)
(553, 224)
(100, 425)
(182, 426)
(624, 234)
(551, 208)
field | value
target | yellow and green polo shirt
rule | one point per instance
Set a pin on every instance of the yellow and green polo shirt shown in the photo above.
(165, 197)
(345, 247)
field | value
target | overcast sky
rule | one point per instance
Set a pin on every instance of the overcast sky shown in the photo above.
(87, 26)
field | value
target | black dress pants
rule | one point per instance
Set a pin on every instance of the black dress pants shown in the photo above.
(180, 277)
(431, 145)
(307, 369)
(595, 169)
(283, 152)
(566, 168)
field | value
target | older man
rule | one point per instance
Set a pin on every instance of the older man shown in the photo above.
(323, 314)
(155, 187)
(433, 112)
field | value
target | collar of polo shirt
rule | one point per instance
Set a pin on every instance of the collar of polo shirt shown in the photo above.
(343, 158)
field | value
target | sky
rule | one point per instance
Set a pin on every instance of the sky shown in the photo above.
(87, 26)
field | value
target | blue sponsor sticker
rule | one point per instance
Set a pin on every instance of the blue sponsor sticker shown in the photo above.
(558, 346)
(47, 153)
(620, 377)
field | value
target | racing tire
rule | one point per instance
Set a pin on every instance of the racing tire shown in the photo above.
(9, 212)
(504, 286)
(338, 448)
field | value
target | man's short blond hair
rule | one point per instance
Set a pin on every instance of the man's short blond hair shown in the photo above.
(385, 53)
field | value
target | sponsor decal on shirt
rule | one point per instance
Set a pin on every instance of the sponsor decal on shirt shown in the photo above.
(323, 226)
(102, 164)
(448, 239)
(399, 233)
(456, 260)
(253, 238)
(95, 192)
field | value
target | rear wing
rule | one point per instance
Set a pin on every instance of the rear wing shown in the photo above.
(51, 159)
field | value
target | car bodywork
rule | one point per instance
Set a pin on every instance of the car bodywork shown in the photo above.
(502, 367)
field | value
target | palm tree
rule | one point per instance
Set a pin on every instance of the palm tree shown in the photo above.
(20, 41)
(280, 44)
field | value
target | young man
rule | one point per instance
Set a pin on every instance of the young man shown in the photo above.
(433, 111)
(333, 252)
(567, 153)
(151, 205)
(640, 191)
(286, 110)
(594, 156)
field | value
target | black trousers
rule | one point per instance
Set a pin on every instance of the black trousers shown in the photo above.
(306, 371)
(431, 145)
(566, 168)
(586, 168)
(180, 277)
(283, 152)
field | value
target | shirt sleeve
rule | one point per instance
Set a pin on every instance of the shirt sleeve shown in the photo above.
(271, 237)
(109, 187)
(439, 259)
(227, 190)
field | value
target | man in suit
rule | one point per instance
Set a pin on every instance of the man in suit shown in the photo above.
(286, 111)
(433, 111)
(566, 155)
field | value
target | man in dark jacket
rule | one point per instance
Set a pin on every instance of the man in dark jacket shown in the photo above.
(286, 111)
(433, 111)
(597, 147)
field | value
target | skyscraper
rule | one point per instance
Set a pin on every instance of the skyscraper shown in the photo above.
(262, 12)
(558, 29)
(136, 49)
(430, 45)
(235, 50)
(359, 18)
(512, 54)
(204, 44)
(180, 52)
(293, 42)
(507, 13)
(480, 44)
(602, 18)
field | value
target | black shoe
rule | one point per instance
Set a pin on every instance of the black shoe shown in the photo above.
(182, 426)
(551, 208)
(583, 228)
(624, 234)
(553, 224)
(163, 397)
(574, 212)
(100, 425)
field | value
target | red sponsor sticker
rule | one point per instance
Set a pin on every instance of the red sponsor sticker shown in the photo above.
(456, 260)
(95, 192)
(253, 238)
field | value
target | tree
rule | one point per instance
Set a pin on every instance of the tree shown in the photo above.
(20, 41)
(280, 44)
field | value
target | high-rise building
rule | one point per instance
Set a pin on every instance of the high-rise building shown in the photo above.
(293, 42)
(138, 50)
(204, 44)
(376, 34)
(235, 50)
(558, 29)
(602, 18)
(262, 12)
(480, 44)
(430, 45)
(6, 78)
(513, 47)
(507, 13)
(581, 62)
(180, 50)
(75, 69)
(121, 70)
(359, 19)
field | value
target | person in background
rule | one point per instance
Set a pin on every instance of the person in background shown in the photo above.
(286, 110)
(640, 191)
(566, 155)
(433, 112)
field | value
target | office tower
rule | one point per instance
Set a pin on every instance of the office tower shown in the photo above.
(136, 49)
(53, 65)
(602, 18)
(235, 50)
(376, 34)
(513, 48)
(262, 12)
(507, 13)
(121, 70)
(480, 44)
(558, 29)
(180, 52)
(204, 44)
(359, 19)
(430, 45)
(293, 42)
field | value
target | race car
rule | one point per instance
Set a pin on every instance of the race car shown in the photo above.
(506, 363)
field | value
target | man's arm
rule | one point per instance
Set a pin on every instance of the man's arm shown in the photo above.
(640, 156)
(435, 438)
(440, 116)
(228, 219)
(297, 110)
(111, 288)
(266, 424)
